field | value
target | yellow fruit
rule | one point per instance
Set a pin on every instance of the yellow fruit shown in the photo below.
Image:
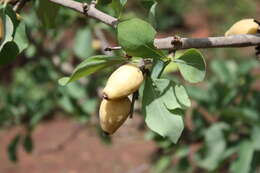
(96, 44)
(113, 113)
(245, 26)
(124, 81)
(1, 29)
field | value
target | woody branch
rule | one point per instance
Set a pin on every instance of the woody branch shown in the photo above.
(243, 40)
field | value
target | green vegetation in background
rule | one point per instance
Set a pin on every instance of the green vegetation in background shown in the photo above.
(32, 93)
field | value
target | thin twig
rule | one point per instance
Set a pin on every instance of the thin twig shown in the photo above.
(19, 5)
(112, 48)
(91, 11)
(104, 43)
(61, 146)
(134, 98)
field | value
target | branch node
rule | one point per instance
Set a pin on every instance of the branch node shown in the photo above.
(143, 65)
(112, 48)
(85, 7)
(176, 42)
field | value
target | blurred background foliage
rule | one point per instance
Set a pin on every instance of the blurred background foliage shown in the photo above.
(222, 131)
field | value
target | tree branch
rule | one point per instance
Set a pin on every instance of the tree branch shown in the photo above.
(243, 40)
(169, 42)
(90, 11)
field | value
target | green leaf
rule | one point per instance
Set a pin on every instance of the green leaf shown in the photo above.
(162, 164)
(158, 117)
(199, 94)
(8, 52)
(220, 68)
(28, 143)
(148, 3)
(123, 2)
(117, 6)
(166, 93)
(8, 29)
(173, 96)
(12, 148)
(192, 66)
(152, 14)
(216, 145)
(47, 13)
(136, 38)
(13, 48)
(245, 156)
(158, 67)
(151, 6)
(20, 37)
(182, 96)
(14, 40)
(82, 44)
(66, 103)
(247, 114)
(255, 137)
(91, 65)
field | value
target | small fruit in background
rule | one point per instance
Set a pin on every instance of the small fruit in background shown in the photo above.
(113, 113)
(96, 44)
(245, 26)
(123, 82)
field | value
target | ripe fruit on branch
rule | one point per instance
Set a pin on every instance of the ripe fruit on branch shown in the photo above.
(245, 26)
(113, 113)
(123, 82)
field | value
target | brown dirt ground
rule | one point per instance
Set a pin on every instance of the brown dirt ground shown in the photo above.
(84, 154)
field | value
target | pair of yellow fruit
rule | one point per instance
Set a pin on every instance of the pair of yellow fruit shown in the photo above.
(116, 106)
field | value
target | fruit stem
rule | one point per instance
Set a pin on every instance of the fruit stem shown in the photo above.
(104, 96)
(257, 48)
(142, 65)
(105, 133)
(256, 21)
(134, 98)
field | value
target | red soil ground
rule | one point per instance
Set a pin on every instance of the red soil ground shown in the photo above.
(85, 153)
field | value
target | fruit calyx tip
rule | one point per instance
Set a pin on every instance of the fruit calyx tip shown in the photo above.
(105, 133)
(104, 96)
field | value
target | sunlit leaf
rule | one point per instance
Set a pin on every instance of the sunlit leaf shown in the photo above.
(215, 146)
(136, 37)
(192, 66)
(245, 156)
(91, 65)
(158, 117)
